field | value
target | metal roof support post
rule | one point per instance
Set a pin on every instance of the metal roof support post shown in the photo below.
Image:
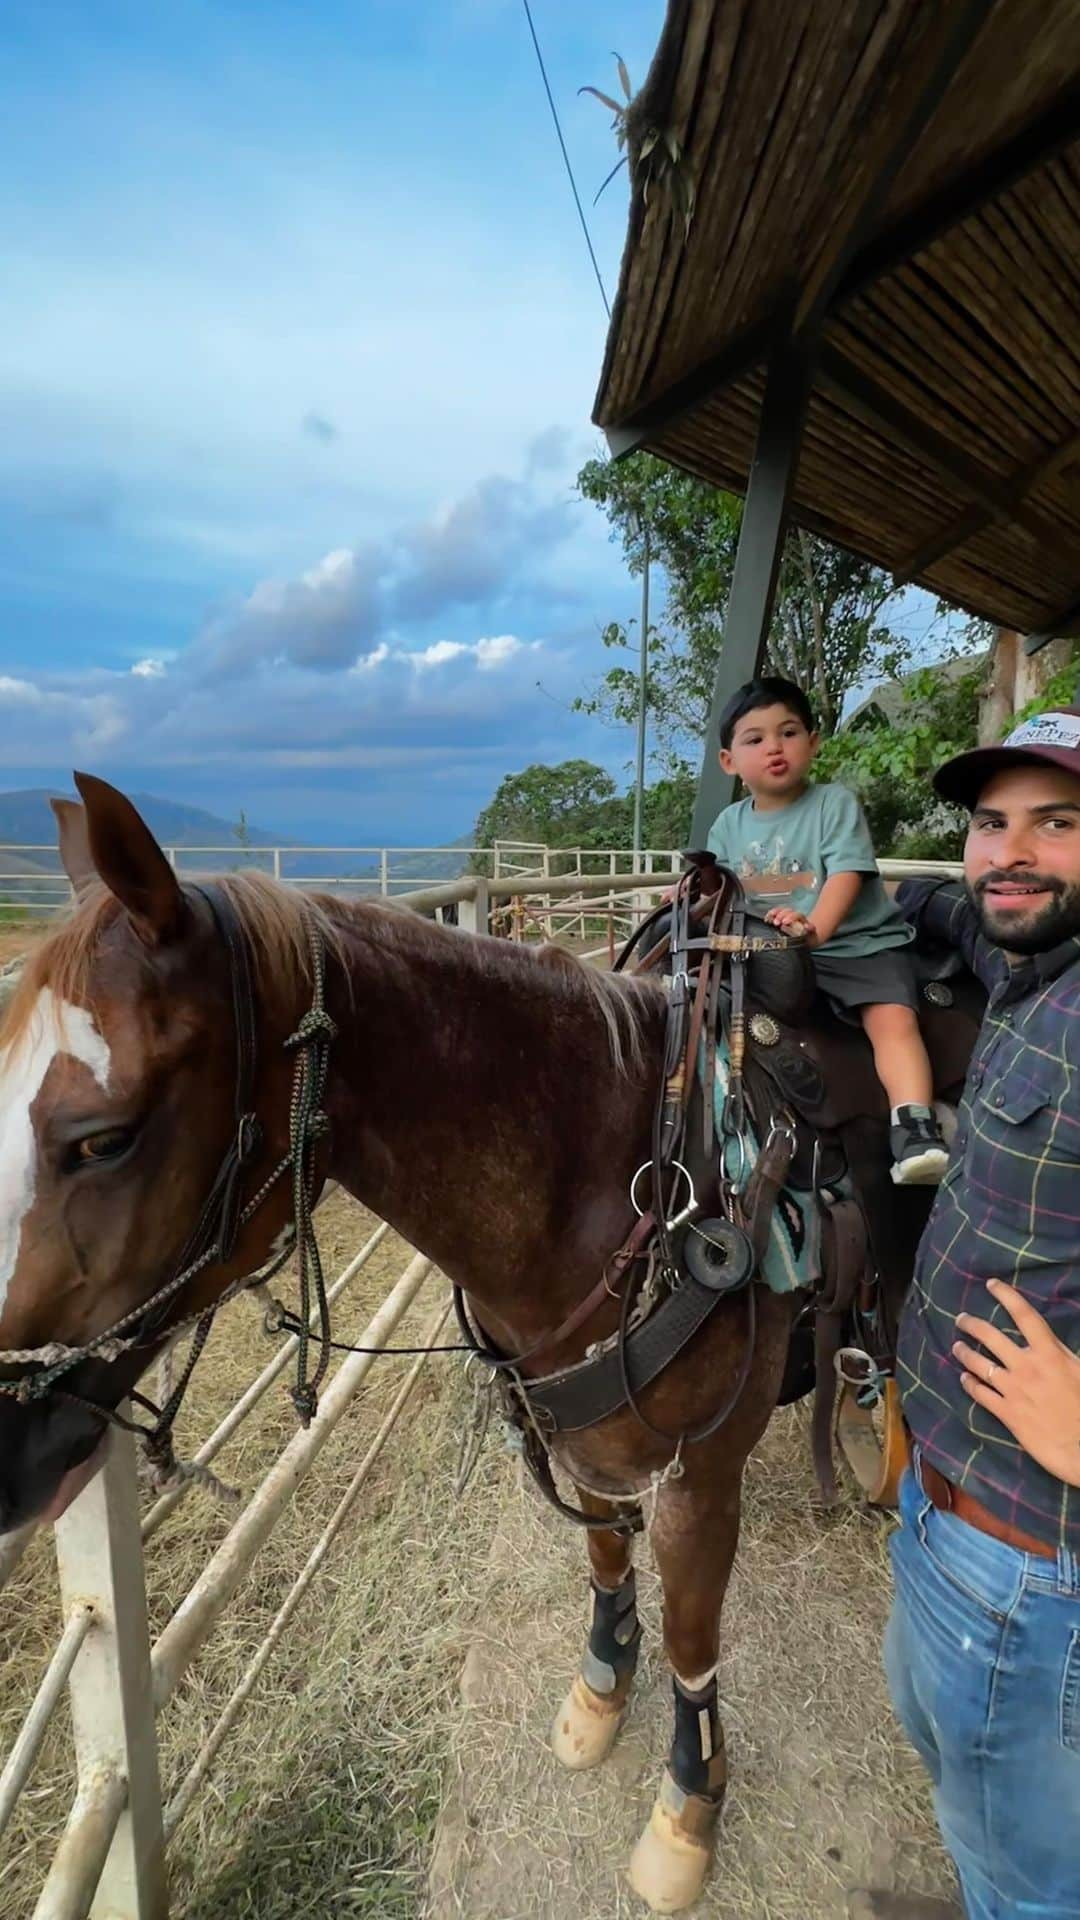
(757, 561)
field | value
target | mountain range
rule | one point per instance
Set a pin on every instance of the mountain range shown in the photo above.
(27, 820)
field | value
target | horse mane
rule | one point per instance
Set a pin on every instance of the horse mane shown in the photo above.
(275, 918)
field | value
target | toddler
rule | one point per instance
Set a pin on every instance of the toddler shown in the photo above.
(805, 860)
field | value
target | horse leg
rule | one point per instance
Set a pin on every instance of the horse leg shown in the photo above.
(694, 1536)
(586, 1724)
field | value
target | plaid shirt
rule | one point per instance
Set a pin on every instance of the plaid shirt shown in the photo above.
(1008, 1209)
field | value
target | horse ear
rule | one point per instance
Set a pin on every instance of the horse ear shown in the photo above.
(127, 858)
(74, 842)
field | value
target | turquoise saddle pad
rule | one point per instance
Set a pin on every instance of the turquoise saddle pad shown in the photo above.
(786, 1262)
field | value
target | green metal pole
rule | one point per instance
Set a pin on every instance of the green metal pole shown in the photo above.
(639, 787)
(757, 562)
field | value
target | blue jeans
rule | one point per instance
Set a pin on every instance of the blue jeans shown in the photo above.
(982, 1655)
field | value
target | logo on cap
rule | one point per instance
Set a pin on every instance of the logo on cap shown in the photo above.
(1047, 730)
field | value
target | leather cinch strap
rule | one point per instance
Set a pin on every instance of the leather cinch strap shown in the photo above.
(591, 1391)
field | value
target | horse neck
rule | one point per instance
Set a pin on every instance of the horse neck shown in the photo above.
(476, 1106)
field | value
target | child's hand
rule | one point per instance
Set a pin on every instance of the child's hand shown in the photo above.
(795, 925)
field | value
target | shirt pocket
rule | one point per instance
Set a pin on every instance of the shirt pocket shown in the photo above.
(1014, 1116)
(1023, 1154)
(1020, 1106)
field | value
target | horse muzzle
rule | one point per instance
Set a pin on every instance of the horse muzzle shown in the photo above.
(48, 1452)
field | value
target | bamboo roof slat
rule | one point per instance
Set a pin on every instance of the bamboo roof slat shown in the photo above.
(944, 425)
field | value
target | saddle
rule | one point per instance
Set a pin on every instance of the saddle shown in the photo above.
(800, 1083)
(816, 1070)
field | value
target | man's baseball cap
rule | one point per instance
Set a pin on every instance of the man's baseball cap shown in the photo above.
(1052, 738)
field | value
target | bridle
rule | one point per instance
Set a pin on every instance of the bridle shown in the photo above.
(223, 1215)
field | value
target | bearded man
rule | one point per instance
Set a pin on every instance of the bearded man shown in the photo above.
(983, 1647)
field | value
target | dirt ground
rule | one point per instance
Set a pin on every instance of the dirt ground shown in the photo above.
(825, 1794)
(15, 941)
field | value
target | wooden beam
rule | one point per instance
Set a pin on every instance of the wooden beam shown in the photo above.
(934, 62)
(993, 175)
(1056, 628)
(879, 408)
(957, 532)
(719, 370)
(1033, 147)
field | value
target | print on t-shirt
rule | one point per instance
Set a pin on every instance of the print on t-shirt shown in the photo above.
(771, 877)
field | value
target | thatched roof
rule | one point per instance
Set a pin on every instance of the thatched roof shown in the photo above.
(904, 180)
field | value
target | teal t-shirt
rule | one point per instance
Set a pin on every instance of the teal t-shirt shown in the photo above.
(784, 859)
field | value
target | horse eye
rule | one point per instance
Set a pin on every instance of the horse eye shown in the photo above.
(108, 1145)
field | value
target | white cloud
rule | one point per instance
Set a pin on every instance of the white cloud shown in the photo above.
(501, 647)
(151, 668)
(369, 661)
(19, 692)
(488, 654)
(437, 655)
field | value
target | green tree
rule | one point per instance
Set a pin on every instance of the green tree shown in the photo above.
(563, 806)
(827, 632)
(577, 805)
(890, 763)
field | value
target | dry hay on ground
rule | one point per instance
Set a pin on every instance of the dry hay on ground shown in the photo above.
(325, 1798)
(18, 936)
(824, 1793)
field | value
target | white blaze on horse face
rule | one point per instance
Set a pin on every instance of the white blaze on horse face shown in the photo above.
(54, 1028)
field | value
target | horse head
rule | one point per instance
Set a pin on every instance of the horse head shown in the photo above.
(124, 1058)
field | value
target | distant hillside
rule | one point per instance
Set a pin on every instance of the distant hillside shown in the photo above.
(27, 820)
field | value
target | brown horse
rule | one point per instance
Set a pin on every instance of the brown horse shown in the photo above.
(491, 1102)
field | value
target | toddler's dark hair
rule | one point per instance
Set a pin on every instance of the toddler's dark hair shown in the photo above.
(768, 691)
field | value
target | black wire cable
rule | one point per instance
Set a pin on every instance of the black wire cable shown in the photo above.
(566, 158)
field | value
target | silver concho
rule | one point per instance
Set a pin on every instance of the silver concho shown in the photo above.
(764, 1029)
(938, 994)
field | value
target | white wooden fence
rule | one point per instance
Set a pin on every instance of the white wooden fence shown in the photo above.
(110, 1860)
(32, 881)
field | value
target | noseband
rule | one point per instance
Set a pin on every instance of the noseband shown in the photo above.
(224, 1212)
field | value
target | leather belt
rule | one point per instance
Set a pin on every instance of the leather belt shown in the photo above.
(956, 1500)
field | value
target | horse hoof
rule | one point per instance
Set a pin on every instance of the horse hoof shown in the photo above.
(670, 1863)
(584, 1729)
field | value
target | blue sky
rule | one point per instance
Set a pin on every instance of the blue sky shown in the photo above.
(299, 351)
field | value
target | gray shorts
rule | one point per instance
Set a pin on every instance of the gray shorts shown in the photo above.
(850, 980)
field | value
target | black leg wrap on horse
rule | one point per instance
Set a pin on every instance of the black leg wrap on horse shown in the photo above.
(614, 1637)
(698, 1762)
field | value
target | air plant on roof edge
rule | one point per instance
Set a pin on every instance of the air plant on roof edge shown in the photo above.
(654, 154)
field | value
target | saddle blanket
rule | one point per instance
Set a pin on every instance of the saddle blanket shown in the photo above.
(786, 1266)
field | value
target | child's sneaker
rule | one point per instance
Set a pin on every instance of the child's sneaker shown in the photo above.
(919, 1153)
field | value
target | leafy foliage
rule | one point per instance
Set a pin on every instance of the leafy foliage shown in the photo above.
(890, 765)
(827, 632)
(576, 805)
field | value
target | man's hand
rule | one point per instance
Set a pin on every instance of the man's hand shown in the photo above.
(1033, 1388)
(795, 925)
